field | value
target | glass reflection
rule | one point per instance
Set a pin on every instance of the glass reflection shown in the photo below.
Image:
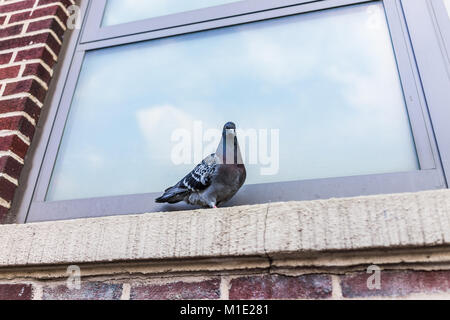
(122, 11)
(326, 80)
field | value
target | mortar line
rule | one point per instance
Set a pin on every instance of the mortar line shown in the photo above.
(269, 269)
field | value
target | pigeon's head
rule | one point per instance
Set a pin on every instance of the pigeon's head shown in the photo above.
(229, 129)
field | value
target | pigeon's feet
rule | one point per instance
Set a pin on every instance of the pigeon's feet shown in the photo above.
(212, 205)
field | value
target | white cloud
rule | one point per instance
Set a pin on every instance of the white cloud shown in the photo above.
(275, 59)
(155, 122)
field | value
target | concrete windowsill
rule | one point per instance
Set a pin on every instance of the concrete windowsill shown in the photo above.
(279, 232)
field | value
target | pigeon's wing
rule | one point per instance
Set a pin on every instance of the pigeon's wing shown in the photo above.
(200, 178)
(197, 180)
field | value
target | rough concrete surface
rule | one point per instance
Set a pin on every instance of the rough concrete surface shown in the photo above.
(376, 222)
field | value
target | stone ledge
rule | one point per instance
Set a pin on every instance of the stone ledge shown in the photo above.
(277, 230)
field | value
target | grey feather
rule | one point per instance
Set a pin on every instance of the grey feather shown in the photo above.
(215, 180)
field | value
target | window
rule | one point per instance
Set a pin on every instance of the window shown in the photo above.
(329, 88)
(344, 118)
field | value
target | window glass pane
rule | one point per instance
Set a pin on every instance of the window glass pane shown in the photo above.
(122, 11)
(327, 80)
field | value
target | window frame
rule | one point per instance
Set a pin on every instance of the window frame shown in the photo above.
(95, 31)
(433, 151)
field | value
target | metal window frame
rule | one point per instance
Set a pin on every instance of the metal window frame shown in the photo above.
(95, 30)
(425, 104)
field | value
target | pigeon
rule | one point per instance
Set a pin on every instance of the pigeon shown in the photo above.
(216, 179)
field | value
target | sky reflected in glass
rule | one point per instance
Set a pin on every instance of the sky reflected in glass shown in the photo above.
(327, 80)
(122, 11)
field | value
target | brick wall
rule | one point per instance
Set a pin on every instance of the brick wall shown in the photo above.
(398, 284)
(31, 35)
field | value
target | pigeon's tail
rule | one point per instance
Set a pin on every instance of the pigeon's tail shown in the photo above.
(173, 195)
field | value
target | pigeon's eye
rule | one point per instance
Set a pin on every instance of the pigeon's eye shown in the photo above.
(230, 125)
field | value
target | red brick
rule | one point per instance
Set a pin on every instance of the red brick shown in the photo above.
(396, 283)
(36, 53)
(3, 214)
(15, 144)
(20, 104)
(38, 13)
(7, 189)
(50, 23)
(88, 291)
(16, 291)
(26, 4)
(17, 123)
(9, 72)
(2, 19)
(11, 31)
(44, 37)
(5, 58)
(11, 167)
(281, 287)
(65, 3)
(205, 290)
(36, 69)
(28, 86)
